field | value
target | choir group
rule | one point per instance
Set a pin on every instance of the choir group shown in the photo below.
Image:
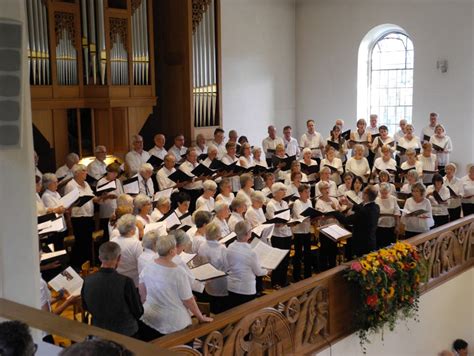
(196, 223)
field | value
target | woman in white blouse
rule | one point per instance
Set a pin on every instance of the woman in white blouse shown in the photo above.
(166, 294)
(335, 137)
(225, 194)
(238, 208)
(163, 206)
(213, 252)
(257, 157)
(384, 177)
(442, 145)
(243, 267)
(222, 214)
(429, 162)
(295, 168)
(383, 140)
(246, 159)
(201, 219)
(246, 190)
(438, 195)
(345, 186)
(302, 235)
(355, 194)
(295, 184)
(269, 180)
(454, 186)
(325, 177)
(51, 198)
(358, 164)
(130, 247)
(468, 191)
(361, 137)
(149, 250)
(201, 147)
(385, 161)
(332, 161)
(281, 234)
(206, 200)
(142, 205)
(254, 214)
(307, 160)
(412, 163)
(418, 224)
(212, 153)
(408, 141)
(412, 178)
(82, 218)
(389, 220)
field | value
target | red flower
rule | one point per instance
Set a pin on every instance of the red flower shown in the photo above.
(372, 300)
(389, 270)
(356, 266)
(411, 300)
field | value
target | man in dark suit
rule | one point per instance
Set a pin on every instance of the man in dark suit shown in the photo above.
(110, 297)
(364, 222)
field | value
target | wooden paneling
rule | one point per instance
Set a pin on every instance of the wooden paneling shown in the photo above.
(43, 120)
(120, 131)
(103, 127)
(61, 142)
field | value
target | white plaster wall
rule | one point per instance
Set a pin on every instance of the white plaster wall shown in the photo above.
(258, 65)
(446, 313)
(19, 265)
(328, 34)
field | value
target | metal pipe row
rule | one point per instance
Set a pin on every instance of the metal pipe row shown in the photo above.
(119, 62)
(66, 60)
(204, 69)
(38, 42)
(140, 46)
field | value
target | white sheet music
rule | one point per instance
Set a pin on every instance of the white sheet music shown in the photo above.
(172, 220)
(56, 225)
(159, 227)
(188, 220)
(285, 215)
(227, 238)
(47, 256)
(109, 185)
(163, 193)
(68, 280)
(44, 225)
(187, 257)
(206, 272)
(132, 188)
(70, 198)
(269, 257)
(264, 231)
(335, 231)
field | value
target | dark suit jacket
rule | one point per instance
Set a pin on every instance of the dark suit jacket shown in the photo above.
(113, 301)
(364, 221)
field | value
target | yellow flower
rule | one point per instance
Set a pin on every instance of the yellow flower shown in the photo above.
(365, 265)
(391, 292)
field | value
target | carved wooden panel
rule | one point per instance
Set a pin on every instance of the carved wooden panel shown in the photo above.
(64, 20)
(199, 8)
(118, 26)
(135, 4)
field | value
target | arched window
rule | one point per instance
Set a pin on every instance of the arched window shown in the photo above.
(385, 77)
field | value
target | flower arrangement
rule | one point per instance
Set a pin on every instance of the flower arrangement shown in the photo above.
(388, 284)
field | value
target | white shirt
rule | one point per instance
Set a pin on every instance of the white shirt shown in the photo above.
(148, 256)
(97, 169)
(415, 223)
(107, 207)
(325, 206)
(205, 204)
(255, 217)
(398, 135)
(246, 162)
(243, 265)
(221, 151)
(130, 250)
(225, 230)
(143, 220)
(373, 130)
(134, 160)
(418, 167)
(215, 253)
(146, 187)
(162, 178)
(201, 150)
(439, 209)
(166, 288)
(298, 207)
(332, 188)
(336, 163)
(457, 186)
(187, 167)
(234, 219)
(178, 153)
(158, 152)
(87, 210)
(377, 148)
(355, 136)
(280, 230)
(313, 141)
(197, 240)
(427, 131)
(443, 142)
(414, 143)
(427, 164)
(270, 144)
(387, 206)
(64, 172)
(382, 165)
(242, 194)
(45, 294)
(261, 162)
(227, 200)
(156, 215)
(359, 167)
(287, 177)
(51, 199)
(226, 159)
(311, 177)
(341, 190)
(292, 147)
(468, 190)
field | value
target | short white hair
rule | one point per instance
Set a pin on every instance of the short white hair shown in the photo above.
(278, 186)
(145, 167)
(149, 240)
(100, 148)
(452, 165)
(48, 178)
(413, 173)
(220, 205)
(244, 178)
(163, 201)
(385, 187)
(211, 148)
(323, 185)
(213, 232)
(182, 238)
(209, 185)
(137, 137)
(126, 224)
(237, 202)
(124, 200)
(72, 157)
(242, 228)
(359, 147)
(257, 196)
(325, 169)
(165, 244)
(306, 150)
(78, 168)
(140, 201)
(256, 149)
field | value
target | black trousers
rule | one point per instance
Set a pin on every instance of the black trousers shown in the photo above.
(409, 234)
(327, 256)
(104, 225)
(302, 244)
(467, 209)
(440, 220)
(441, 170)
(280, 274)
(371, 159)
(385, 236)
(147, 333)
(82, 251)
(454, 213)
(236, 299)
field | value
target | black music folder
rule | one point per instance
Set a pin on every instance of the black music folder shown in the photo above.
(156, 162)
(180, 176)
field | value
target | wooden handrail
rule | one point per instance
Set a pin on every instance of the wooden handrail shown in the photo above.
(446, 251)
(72, 330)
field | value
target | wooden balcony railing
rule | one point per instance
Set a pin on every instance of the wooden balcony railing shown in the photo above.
(316, 312)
